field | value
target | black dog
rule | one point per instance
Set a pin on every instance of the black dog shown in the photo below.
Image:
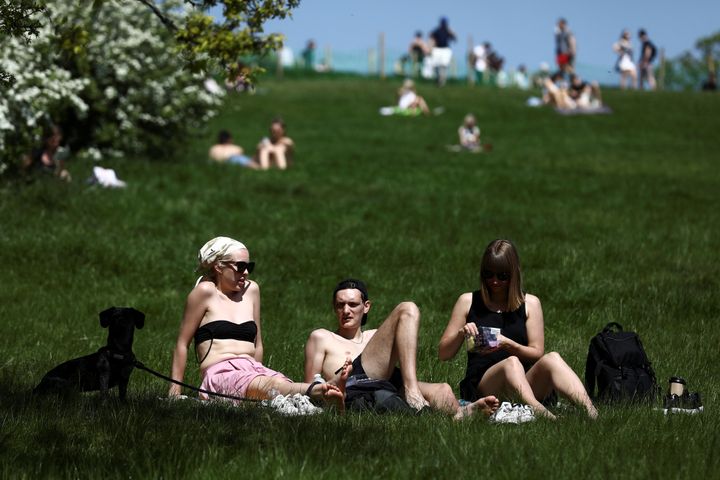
(104, 369)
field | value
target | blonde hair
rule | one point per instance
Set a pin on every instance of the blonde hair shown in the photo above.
(501, 256)
(217, 250)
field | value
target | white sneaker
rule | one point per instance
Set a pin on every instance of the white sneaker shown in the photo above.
(525, 413)
(304, 405)
(505, 414)
(283, 405)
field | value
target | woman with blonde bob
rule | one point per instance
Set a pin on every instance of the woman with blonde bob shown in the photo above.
(518, 366)
(222, 315)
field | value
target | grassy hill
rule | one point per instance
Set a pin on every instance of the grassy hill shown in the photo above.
(615, 217)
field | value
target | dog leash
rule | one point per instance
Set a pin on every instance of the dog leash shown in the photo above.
(141, 366)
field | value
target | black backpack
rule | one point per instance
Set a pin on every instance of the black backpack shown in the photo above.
(617, 362)
(379, 396)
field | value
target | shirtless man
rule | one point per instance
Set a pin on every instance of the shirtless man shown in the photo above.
(226, 151)
(276, 148)
(376, 352)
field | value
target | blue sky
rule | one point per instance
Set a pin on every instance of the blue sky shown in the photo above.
(520, 30)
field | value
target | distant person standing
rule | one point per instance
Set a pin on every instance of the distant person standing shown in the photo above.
(441, 53)
(565, 47)
(625, 64)
(308, 55)
(479, 57)
(418, 50)
(648, 51)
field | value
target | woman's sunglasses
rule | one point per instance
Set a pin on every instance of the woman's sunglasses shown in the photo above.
(501, 276)
(242, 266)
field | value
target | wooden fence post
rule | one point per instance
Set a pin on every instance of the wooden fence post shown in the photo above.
(470, 66)
(381, 61)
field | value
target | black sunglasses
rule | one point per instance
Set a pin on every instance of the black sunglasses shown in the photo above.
(242, 266)
(502, 276)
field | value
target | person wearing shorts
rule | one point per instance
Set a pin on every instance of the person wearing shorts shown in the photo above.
(565, 47)
(222, 316)
(386, 353)
(441, 54)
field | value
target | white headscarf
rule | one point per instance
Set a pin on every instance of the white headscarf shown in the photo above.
(215, 251)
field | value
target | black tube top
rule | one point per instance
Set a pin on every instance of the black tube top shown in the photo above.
(224, 329)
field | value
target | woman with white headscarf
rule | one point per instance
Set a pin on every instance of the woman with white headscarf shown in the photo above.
(222, 315)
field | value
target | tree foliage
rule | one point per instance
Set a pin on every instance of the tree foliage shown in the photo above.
(17, 19)
(124, 75)
(688, 71)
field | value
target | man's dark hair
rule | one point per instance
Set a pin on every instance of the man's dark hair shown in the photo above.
(642, 32)
(351, 283)
(224, 136)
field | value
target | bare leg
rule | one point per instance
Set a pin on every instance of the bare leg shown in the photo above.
(551, 372)
(595, 91)
(508, 377)
(440, 397)
(263, 387)
(422, 104)
(396, 342)
(280, 158)
(651, 78)
(264, 158)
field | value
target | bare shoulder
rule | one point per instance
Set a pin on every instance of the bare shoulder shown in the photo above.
(320, 335)
(253, 288)
(204, 289)
(531, 300)
(532, 305)
(464, 300)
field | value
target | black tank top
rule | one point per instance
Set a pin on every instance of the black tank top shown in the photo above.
(224, 329)
(511, 325)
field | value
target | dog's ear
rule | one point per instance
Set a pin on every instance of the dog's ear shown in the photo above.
(106, 316)
(139, 318)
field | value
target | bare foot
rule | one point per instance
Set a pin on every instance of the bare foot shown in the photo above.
(486, 405)
(592, 412)
(329, 394)
(415, 400)
(544, 412)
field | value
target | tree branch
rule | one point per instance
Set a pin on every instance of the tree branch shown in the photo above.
(165, 20)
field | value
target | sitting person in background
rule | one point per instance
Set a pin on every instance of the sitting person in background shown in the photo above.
(555, 92)
(520, 78)
(409, 102)
(469, 134)
(408, 99)
(584, 94)
(226, 151)
(275, 149)
(50, 157)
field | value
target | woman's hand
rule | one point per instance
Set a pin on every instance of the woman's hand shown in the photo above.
(469, 330)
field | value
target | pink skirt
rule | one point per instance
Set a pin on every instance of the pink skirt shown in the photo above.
(232, 376)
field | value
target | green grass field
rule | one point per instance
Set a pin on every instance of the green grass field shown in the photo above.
(615, 217)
